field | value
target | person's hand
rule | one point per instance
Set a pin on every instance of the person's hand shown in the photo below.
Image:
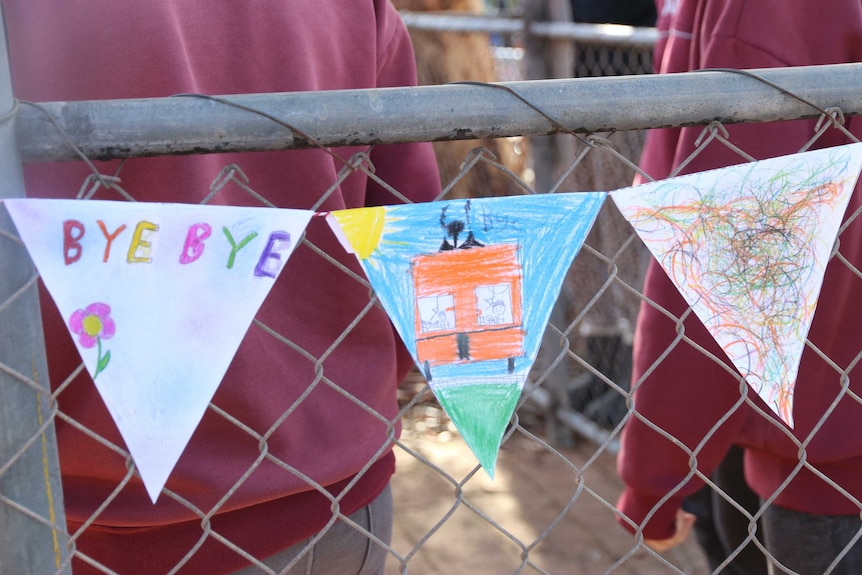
(684, 523)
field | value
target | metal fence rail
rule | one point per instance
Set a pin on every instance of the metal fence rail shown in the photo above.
(597, 34)
(444, 503)
(547, 33)
(202, 124)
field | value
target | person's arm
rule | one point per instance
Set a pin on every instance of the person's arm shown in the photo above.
(681, 392)
(685, 393)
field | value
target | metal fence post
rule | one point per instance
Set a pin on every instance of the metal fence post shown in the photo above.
(548, 58)
(551, 59)
(32, 521)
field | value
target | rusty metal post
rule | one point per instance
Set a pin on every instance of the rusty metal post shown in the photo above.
(545, 59)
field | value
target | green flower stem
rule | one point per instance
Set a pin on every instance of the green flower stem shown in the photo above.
(102, 362)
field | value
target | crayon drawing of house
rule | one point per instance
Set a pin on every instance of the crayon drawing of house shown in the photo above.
(468, 306)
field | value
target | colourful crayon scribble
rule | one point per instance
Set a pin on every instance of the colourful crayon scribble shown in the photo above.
(746, 261)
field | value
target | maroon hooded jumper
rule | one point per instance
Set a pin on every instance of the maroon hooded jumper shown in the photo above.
(106, 49)
(687, 393)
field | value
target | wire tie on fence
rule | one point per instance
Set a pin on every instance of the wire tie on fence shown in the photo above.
(554, 122)
(237, 172)
(718, 129)
(297, 133)
(833, 115)
(356, 160)
(475, 155)
(713, 129)
(94, 181)
(103, 179)
(13, 111)
(595, 141)
(769, 83)
(225, 176)
(557, 125)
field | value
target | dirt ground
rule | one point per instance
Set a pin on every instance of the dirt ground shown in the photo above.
(546, 511)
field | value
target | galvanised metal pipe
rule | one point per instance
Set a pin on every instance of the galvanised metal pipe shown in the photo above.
(599, 34)
(186, 125)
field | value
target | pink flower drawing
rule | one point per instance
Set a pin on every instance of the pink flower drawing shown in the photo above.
(93, 324)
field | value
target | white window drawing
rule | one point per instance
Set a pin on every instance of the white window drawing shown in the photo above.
(436, 313)
(494, 304)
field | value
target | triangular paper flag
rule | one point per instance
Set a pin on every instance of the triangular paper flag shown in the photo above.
(157, 298)
(469, 285)
(747, 247)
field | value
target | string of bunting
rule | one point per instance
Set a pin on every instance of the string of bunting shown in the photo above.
(469, 285)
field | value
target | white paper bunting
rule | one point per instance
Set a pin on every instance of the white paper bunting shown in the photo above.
(158, 298)
(747, 247)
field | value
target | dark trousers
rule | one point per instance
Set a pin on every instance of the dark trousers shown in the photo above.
(801, 543)
(721, 529)
(810, 544)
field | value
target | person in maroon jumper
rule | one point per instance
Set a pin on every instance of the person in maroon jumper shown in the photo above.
(685, 392)
(109, 49)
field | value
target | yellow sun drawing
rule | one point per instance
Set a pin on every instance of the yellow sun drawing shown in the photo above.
(363, 228)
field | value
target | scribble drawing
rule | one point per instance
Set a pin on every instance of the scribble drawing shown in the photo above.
(749, 260)
(480, 286)
(92, 325)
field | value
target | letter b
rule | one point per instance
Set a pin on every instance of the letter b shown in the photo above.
(73, 231)
(194, 245)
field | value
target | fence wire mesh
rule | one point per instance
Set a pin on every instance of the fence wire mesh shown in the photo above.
(550, 508)
(599, 49)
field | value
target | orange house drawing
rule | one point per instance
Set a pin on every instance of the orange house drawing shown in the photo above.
(468, 306)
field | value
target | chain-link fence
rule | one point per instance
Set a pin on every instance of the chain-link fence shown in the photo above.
(550, 508)
(597, 49)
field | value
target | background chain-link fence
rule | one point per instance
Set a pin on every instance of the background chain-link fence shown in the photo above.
(586, 49)
(551, 507)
